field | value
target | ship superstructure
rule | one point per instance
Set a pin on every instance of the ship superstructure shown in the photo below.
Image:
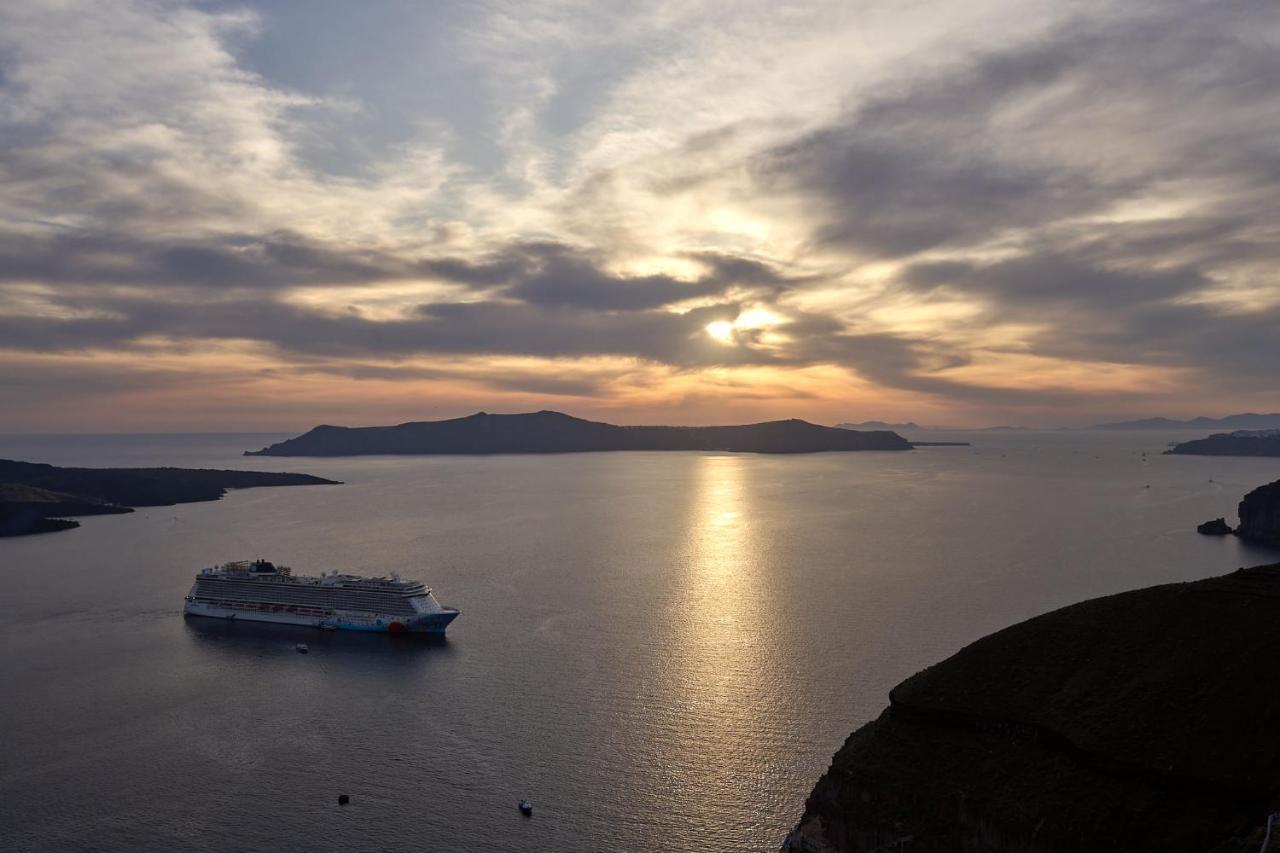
(260, 591)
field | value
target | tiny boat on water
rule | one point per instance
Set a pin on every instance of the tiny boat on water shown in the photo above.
(302, 648)
(526, 808)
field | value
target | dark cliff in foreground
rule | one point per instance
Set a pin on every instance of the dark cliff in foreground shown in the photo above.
(1260, 514)
(1239, 443)
(1143, 721)
(553, 432)
(35, 498)
(1259, 517)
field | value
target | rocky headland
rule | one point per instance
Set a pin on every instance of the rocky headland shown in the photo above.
(1260, 514)
(554, 432)
(1243, 442)
(1139, 722)
(26, 509)
(37, 498)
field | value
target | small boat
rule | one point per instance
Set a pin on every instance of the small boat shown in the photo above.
(526, 808)
(302, 648)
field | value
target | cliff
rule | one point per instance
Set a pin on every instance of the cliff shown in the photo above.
(553, 432)
(1140, 722)
(1238, 443)
(1260, 514)
(35, 498)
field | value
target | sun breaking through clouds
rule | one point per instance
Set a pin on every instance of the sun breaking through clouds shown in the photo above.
(244, 216)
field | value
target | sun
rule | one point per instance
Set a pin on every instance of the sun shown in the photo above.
(721, 331)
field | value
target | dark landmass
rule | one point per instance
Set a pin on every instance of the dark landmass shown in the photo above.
(1247, 420)
(1260, 514)
(1143, 721)
(1216, 527)
(28, 523)
(146, 486)
(882, 425)
(1238, 443)
(940, 444)
(26, 509)
(54, 503)
(553, 432)
(35, 498)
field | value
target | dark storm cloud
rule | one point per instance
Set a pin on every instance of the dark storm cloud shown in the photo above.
(560, 277)
(892, 197)
(506, 378)
(267, 261)
(1089, 312)
(471, 328)
(547, 274)
(1038, 282)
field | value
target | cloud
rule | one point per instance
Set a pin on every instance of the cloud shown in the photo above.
(912, 197)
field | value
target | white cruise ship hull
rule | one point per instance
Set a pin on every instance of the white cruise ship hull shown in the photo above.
(260, 592)
(338, 621)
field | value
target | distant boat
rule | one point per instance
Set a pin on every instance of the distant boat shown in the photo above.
(526, 808)
(302, 648)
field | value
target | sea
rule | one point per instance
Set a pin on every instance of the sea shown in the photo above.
(661, 651)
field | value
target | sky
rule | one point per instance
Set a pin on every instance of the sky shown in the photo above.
(259, 216)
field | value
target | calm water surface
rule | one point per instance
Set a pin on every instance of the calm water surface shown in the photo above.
(661, 650)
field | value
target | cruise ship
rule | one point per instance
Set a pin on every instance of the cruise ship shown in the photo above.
(260, 591)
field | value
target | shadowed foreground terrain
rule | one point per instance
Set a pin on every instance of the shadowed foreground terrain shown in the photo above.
(34, 497)
(1143, 721)
(553, 432)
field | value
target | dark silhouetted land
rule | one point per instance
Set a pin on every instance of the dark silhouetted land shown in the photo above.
(1239, 443)
(553, 432)
(1140, 721)
(36, 498)
(1260, 514)
(26, 509)
(1247, 420)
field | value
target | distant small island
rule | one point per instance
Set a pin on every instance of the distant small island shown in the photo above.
(1246, 420)
(554, 432)
(1139, 721)
(1239, 443)
(37, 498)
